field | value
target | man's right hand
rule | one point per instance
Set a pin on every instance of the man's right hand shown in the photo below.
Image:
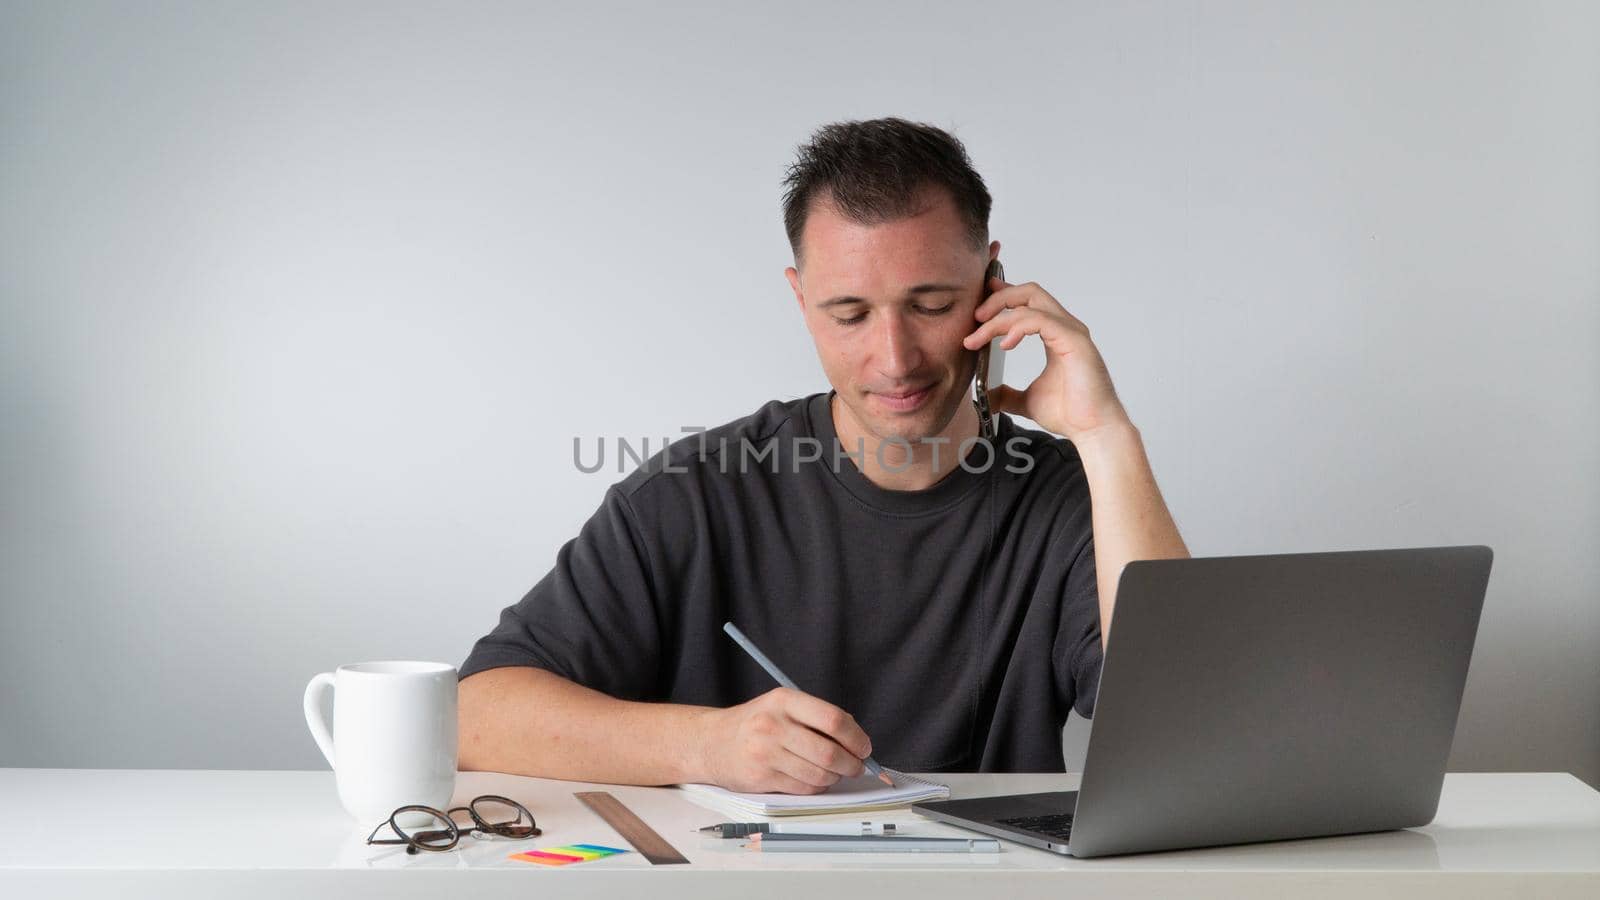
(783, 741)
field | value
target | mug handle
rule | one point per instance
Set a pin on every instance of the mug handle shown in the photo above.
(319, 685)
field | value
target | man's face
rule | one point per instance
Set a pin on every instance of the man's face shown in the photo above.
(887, 306)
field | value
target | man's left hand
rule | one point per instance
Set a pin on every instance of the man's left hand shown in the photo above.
(1073, 396)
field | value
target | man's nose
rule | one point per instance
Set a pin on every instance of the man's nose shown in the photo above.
(899, 354)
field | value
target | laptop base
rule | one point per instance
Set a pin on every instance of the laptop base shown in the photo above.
(1032, 819)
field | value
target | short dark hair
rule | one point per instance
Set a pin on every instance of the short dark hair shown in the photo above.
(875, 171)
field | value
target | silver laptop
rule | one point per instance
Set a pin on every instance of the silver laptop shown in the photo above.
(1263, 698)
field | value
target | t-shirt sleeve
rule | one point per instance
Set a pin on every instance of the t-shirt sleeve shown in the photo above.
(592, 619)
(1078, 653)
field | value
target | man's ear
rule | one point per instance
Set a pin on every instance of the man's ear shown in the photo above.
(793, 275)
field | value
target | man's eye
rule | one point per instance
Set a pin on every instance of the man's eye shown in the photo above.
(936, 311)
(853, 320)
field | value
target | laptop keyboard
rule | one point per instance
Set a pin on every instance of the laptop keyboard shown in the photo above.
(1058, 826)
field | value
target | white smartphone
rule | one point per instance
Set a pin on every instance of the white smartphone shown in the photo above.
(991, 365)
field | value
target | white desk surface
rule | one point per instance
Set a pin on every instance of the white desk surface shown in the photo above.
(204, 833)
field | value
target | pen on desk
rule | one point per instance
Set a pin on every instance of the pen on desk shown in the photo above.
(823, 843)
(777, 673)
(745, 829)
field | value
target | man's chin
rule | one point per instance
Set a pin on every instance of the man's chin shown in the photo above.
(911, 428)
(927, 421)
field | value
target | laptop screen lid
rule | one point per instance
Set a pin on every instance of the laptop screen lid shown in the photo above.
(1255, 698)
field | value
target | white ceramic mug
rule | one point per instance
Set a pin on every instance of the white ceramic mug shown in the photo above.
(396, 727)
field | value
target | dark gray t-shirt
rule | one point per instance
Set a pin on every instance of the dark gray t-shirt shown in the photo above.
(958, 624)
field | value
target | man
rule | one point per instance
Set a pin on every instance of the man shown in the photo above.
(943, 601)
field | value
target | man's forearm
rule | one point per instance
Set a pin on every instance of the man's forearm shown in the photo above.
(527, 721)
(1131, 520)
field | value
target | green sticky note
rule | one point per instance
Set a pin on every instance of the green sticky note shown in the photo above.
(577, 851)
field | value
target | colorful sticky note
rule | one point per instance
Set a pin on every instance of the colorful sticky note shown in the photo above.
(566, 854)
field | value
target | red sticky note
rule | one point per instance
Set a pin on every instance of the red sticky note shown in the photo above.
(546, 859)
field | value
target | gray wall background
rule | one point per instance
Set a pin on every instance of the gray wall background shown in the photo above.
(304, 305)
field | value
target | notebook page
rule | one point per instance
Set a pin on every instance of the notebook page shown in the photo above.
(859, 794)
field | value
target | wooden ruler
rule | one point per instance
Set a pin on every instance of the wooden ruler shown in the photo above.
(644, 839)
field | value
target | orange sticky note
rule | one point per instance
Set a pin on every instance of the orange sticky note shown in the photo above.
(544, 858)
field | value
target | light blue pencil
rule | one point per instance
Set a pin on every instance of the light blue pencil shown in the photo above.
(777, 673)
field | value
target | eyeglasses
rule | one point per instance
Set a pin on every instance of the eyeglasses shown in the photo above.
(491, 814)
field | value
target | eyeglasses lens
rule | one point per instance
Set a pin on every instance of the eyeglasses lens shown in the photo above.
(503, 818)
(431, 831)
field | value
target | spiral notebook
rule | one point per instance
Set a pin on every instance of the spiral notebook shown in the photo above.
(862, 793)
